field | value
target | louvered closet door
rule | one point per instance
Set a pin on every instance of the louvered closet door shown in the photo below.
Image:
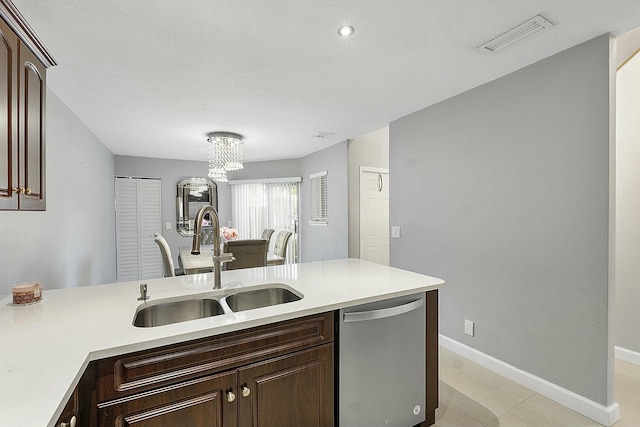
(150, 223)
(138, 217)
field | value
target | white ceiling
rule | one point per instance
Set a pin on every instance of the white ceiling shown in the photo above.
(153, 77)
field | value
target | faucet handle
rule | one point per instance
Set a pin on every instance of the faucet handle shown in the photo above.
(224, 257)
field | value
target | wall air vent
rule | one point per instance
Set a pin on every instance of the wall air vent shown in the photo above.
(527, 29)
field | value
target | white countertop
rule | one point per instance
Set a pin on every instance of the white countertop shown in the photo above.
(46, 347)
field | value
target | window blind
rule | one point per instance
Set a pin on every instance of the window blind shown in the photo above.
(257, 205)
(319, 213)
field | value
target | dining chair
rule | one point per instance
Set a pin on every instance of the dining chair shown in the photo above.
(167, 261)
(248, 253)
(281, 243)
(266, 234)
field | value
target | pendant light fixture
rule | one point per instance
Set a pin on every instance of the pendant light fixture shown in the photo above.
(225, 154)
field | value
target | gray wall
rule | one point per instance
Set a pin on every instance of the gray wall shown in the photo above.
(503, 191)
(72, 243)
(370, 150)
(628, 207)
(330, 242)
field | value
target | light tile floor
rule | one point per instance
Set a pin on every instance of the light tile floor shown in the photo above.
(473, 396)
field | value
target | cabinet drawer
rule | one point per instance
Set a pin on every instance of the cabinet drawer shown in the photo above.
(136, 372)
(202, 402)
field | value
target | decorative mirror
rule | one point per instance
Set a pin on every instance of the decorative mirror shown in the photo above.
(194, 193)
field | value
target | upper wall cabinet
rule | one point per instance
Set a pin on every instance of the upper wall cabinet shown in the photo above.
(9, 109)
(23, 63)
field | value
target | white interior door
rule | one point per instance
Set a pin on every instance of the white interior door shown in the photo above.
(374, 215)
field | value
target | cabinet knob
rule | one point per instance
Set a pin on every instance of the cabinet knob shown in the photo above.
(245, 391)
(71, 423)
(22, 190)
(230, 397)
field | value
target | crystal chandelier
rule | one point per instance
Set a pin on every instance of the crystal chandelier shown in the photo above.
(225, 154)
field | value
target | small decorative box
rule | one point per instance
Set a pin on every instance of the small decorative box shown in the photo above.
(27, 293)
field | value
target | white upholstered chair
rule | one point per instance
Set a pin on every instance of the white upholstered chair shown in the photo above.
(167, 261)
(281, 243)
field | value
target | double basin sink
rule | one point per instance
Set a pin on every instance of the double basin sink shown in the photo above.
(174, 310)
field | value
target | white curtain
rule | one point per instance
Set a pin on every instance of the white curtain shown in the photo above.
(257, 205)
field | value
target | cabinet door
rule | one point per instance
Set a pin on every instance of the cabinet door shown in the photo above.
(204, 402)
(31, 159)
(8, 117)
(82, 403)
(288, 391)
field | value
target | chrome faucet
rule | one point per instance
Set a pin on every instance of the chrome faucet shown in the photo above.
(218, 256)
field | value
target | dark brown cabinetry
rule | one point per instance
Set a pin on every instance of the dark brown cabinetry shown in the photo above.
(31, 143)
(81, 404)
(290, 391)
(8, 124)
(273, 375)
(22, 125)
(431, 382)
(71, 410)
(203, 402)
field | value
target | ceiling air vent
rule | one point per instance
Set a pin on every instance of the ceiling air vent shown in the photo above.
(527, 29)
(324, 135)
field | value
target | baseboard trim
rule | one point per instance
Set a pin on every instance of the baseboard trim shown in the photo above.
(628, 355)
(605, 415)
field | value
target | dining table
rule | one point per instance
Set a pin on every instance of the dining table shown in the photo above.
(203, 263)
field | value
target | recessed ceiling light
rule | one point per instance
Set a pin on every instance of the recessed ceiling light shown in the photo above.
(345, 31)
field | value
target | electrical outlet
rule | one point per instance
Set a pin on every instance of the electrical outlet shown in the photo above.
(468, 327)
(395, 231)
(167, 226)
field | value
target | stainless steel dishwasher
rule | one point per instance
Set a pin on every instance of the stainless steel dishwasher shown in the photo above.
(382, 363)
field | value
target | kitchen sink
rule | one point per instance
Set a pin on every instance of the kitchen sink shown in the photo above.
(258, 298)
(168, 311)
(177, 311)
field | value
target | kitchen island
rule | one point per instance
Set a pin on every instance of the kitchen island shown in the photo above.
(46, 347)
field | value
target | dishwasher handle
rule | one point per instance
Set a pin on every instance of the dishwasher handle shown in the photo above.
(363, 316)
